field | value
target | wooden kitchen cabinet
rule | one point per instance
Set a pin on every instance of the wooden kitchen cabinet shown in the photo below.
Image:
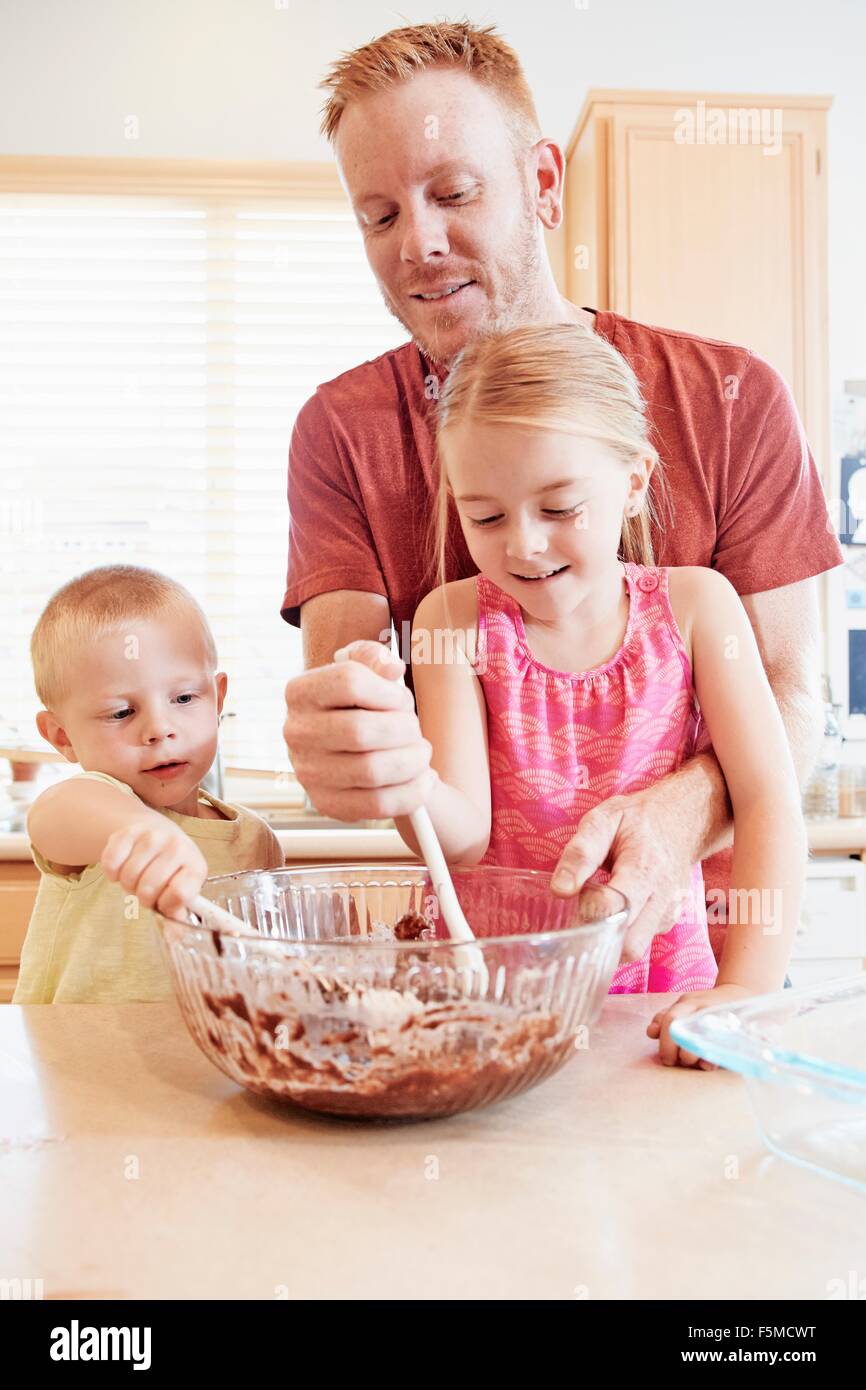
(18, 884)
(707, 213)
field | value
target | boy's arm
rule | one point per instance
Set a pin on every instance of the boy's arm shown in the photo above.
(453, 718)
(70, 824)
(274, 854)
(750, 742)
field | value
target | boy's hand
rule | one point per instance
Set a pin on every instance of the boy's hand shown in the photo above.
(660, 1027)
(156, 861)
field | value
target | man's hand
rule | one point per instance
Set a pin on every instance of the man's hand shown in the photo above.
(354, 739)
(670, 1053)
(649, 853)
(156, 861)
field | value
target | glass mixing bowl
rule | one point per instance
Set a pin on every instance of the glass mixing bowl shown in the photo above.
(317, 1003)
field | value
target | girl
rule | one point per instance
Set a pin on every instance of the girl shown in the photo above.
(569, 670)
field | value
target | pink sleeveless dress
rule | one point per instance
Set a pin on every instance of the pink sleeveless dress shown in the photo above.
(562, 742)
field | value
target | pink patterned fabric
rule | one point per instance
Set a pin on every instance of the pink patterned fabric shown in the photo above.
(561, 742)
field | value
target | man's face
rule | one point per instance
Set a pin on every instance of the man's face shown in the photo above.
(432, 172)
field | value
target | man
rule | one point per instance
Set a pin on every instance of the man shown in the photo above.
(439, 148)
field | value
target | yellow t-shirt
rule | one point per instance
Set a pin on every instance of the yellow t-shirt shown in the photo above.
(90, 942)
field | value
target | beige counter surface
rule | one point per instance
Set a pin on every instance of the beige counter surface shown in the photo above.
(350, 844)
(345, 845)
(130, 1167)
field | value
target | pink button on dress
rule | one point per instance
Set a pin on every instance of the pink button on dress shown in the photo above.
(562, 742)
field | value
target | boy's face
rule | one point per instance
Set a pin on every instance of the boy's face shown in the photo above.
(144, 707)
(433, 176)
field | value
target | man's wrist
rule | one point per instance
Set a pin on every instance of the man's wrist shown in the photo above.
(695, 799)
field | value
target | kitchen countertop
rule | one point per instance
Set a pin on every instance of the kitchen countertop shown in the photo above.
(304, 836)
(848, 833)
(841, 833)
(336, 845)
(616, 1178)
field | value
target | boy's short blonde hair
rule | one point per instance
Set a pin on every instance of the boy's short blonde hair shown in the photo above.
(401, 53)
(98, 602)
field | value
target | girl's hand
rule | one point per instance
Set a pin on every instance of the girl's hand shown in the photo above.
(670, 1054)
(156, 861)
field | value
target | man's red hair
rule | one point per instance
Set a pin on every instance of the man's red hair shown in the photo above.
(401, 53)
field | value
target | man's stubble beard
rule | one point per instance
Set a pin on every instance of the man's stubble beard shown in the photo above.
(512, 304)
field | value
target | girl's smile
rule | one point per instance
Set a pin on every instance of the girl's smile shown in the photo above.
(544, 575)
(542, 513)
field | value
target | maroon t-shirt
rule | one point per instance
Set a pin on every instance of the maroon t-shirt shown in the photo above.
(743, 487)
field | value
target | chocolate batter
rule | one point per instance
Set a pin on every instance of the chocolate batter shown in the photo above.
(401, 1037)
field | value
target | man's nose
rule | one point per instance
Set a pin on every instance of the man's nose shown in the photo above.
(424, 233)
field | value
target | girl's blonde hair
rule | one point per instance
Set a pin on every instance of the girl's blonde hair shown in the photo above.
(98, 602)
(560, 377)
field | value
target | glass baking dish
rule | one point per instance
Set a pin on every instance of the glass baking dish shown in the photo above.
(803, 1055)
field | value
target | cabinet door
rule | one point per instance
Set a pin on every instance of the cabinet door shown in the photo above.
(18, 885)
(725, 240)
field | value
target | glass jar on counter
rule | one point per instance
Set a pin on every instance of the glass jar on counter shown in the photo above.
(821, 796)
(8, 809)
(852, 777)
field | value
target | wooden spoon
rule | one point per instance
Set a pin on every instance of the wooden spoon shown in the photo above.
(431, 852)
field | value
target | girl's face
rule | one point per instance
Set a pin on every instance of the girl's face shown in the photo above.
(541, 511)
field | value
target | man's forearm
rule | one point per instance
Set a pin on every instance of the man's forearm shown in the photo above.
(803, 717)
(697, 793)
(333, 620)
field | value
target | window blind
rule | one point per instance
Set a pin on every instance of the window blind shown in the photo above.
(154, 352)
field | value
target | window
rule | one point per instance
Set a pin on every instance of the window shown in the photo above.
(160, 327)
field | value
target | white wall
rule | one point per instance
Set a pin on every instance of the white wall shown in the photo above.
(236, 79)
(225, 79)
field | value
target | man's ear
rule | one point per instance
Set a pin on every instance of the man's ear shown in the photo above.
(222, 681)
(549, 183)
(54, 733)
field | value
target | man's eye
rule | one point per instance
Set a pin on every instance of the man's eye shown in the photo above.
(444, 198)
